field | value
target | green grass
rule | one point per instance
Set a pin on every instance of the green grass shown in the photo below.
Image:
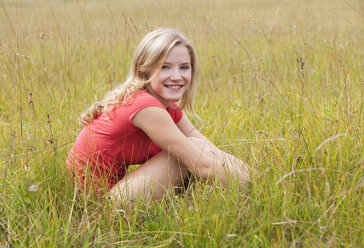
(298, 125)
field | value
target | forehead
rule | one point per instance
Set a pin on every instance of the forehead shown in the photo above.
(179, 53)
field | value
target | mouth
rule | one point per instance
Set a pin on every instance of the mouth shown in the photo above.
(173, 86)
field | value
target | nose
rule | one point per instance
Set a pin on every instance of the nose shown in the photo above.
(176, 75)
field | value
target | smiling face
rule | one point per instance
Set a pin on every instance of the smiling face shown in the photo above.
(174, 78)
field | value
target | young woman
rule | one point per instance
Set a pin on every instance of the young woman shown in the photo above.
(140, 122)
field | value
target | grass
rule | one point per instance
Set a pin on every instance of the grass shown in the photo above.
(281, 87)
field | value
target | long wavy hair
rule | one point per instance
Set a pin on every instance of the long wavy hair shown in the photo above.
(147, 62)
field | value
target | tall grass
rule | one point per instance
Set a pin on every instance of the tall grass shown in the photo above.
(281, 87)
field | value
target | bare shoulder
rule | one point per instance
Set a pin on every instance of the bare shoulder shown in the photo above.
(151, 115)
(158, 125)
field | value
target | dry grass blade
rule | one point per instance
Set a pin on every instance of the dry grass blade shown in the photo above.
(33, 188)
(328, 140)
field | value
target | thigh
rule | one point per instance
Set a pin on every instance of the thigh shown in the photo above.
(150, 180)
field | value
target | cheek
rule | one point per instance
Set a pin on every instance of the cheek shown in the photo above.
(158, 80)
(155, 84)
(163, 75)
(189, 79)
(187, 76)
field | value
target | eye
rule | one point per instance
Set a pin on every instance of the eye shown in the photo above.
(185, 67)
(164, 67)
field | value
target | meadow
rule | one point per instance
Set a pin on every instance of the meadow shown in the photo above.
(281, 87)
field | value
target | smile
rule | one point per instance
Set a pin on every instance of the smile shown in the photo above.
(174, 86)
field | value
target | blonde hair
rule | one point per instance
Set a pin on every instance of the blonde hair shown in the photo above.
(148, 59)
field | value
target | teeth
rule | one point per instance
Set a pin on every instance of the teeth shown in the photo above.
(174, 86)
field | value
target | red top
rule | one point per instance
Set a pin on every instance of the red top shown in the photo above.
(111, 142)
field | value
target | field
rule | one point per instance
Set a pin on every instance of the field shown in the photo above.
(281, 87)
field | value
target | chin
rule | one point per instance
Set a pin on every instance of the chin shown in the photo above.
(174, 98)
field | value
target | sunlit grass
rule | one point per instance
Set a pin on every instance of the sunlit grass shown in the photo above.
(281, 87)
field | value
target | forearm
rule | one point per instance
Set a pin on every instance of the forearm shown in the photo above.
(232, 168)
(218, 164)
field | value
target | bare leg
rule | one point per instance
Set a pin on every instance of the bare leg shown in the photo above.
(161, 172)
(151, 180)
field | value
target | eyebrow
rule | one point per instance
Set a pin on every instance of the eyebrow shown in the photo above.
(184, 63)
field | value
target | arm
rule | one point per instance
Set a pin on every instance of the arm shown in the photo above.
(198, 157)
(234, 164)
(159, 126)
(188, 129)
